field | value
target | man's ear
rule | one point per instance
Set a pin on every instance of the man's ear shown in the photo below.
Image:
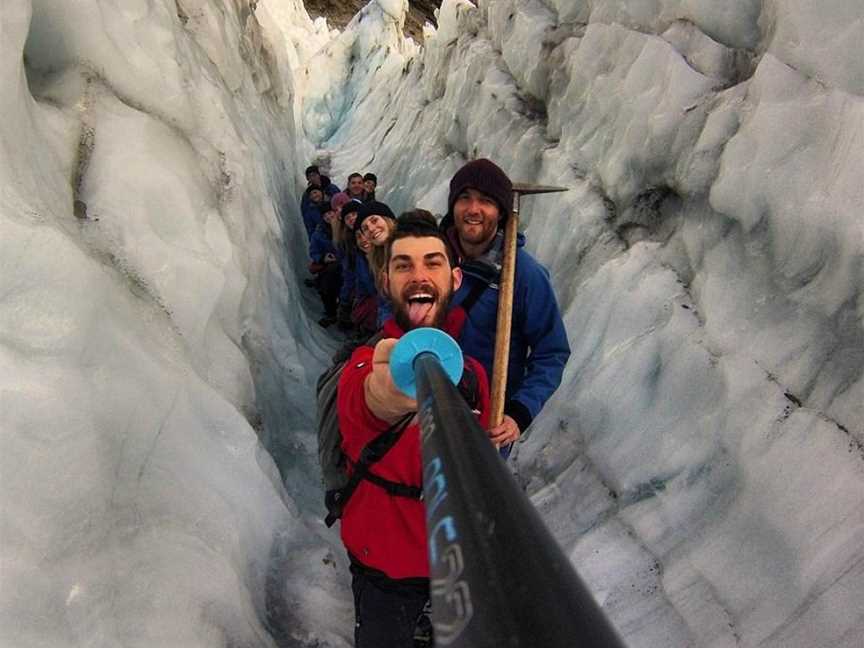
(457, 278)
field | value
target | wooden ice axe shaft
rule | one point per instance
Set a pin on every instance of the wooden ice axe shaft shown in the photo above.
(504, 322)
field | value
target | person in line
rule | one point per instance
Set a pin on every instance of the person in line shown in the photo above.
(313, 199)
(479, 202)
(349, 211)
(364, 311)
(351, 189)
(384, 534)
(355, 188)
(362, 242)
(378, 223)
(370, 183)
(325, 264)
(314, 178)
(346, 242)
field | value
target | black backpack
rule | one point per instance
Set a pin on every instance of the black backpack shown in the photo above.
(338, 486)
(334, 463)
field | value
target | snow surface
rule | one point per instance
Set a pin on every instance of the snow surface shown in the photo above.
(702, 463)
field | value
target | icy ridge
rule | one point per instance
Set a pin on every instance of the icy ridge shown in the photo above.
(702, 460)
(151, 320)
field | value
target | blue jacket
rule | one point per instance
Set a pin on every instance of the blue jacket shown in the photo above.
(364, 284)
(320, 244)
(385, 309)
(538, 345)
(311, 218)
(356, 278)
(309, 211)
(327, 187)
(349, 276)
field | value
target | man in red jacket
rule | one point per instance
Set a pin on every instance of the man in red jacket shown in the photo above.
(385, 533)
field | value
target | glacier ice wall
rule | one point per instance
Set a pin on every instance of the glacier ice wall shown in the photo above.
(702, 461)
(151, 323)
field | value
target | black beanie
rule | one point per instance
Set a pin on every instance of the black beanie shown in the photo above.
(350, 206)
(484, 176)
(373, 207)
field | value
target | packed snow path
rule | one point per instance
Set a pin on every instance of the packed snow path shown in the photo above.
(702, 462)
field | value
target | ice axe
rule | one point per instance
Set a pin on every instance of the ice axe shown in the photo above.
(505, 299)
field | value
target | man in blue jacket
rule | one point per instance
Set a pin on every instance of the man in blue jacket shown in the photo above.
(481, 196)
(315, 179)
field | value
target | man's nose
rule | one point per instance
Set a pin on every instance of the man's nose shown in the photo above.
(420, 277)
(474, 205)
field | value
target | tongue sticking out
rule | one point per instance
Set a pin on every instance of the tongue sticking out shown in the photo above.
(417, 312)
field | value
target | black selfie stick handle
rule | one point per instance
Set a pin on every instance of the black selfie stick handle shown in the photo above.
(498, 577)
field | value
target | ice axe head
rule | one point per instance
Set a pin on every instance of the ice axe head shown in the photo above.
(525, 189)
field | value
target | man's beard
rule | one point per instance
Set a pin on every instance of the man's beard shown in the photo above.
(400, 312)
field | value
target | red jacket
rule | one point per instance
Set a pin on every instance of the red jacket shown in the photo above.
(387, 532)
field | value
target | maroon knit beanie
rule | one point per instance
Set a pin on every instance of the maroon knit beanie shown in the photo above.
(487, 177)
(339, 200)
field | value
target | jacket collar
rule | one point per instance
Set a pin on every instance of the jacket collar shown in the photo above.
(486, 267)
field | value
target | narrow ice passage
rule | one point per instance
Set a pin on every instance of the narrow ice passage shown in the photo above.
(702, 461)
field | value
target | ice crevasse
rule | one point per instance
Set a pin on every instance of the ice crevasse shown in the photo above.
(702, 461)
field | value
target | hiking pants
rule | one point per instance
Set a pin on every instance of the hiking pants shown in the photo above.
(385, 610)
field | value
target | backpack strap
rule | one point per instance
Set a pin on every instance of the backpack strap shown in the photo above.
(394, 488)
(469, 387)
(372, 453)
(473, 295)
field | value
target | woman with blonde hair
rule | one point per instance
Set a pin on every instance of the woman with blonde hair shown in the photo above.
(377, 222)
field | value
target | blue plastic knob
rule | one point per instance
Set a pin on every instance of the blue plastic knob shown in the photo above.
(424, 340)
